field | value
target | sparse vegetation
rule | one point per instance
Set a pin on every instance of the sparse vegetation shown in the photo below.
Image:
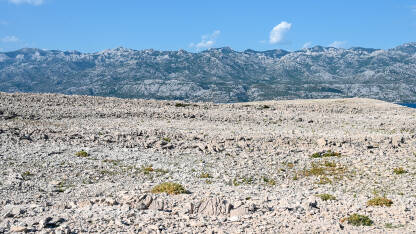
(326, 197)
(81, 154)
(147, 169)
(326, 154)
(169, 188)
(324, 169)
(324, 180)
(166, 139)
(390, 225)
(359, 220)
(243, 180)
(330, 164)
(399, 171)
(379, 201)
(112, 161)
(180, 104)
(269, 181)
(205, 175)
(26, 175)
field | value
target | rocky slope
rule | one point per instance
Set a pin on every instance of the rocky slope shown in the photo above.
(248, 167)
(219, 75)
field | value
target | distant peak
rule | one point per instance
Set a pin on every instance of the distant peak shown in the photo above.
(409, 48)
(226, 49)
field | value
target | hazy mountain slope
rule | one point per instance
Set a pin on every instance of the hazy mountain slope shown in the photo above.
(220, 75)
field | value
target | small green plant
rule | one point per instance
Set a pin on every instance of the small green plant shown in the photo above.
(235, 182)
(324, 169)
(205, 175)
(390, 225)
(324, 180)
(208, 181)
(379, 201)
(326, 197)
(169, 188)
(399, 171)
(26, 175)
(180, 104)
(325, 154)
(112, 161)
(268, 181)
(107, 172)
(359, 220)
(147, 169)
(81, 154)
(330, 164)
(290, 165)
(244, 180)
(315, 170)
(166, 139)
(61, 187)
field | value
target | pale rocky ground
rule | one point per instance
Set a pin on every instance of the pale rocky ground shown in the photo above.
(256, 153)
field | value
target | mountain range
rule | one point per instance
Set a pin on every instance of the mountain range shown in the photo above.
(218, 75)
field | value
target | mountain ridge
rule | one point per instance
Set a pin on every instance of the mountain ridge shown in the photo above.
(217, 74)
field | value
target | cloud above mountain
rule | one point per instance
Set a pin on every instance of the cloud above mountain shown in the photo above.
(9, 39)
(307, 45)
(338, 44)
(207, 41)
(31, 2)
(278, 32)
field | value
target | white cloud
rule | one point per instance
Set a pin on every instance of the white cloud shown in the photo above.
(307, 45)
(278, 32)
(8, 39)
(31, 2)
(338, 44)
(207, 41)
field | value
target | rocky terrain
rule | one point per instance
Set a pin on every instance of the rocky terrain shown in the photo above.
(75, 164)
(219, 75)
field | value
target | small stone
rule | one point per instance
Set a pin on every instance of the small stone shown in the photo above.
(234, 218)
(321, 142)
(18, 229)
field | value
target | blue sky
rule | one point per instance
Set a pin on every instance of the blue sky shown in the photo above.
(93, 25)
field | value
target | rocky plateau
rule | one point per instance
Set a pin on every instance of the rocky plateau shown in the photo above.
(78, 164)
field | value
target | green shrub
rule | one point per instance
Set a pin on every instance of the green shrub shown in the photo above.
(379, 201)
(147, 169)
(268, 181)
(324, 180)
(325, 154)
(399, 171)
(179, 104)
(169, 188)
(326, 197)
(205, 175)
(81, 154)
(359, 220)
(167, 139)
